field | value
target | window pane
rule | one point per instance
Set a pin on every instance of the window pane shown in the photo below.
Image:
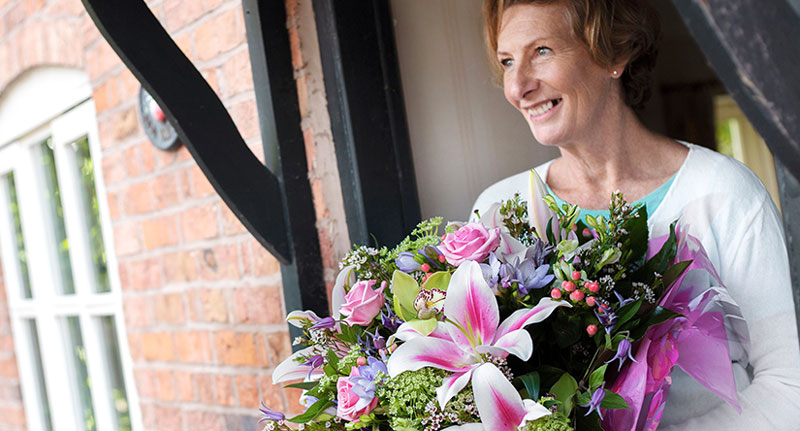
(19, 241)
(119, 401)
(91, 214)
(76, 355)
(30, 327)
(56, 212)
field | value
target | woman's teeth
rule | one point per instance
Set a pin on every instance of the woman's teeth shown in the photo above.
(541, 109)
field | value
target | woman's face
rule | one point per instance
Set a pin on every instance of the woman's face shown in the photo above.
(549, 75)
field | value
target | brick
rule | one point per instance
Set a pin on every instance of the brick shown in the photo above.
(279, 346)
(204, 384)
(235, 348)
(138, 198)
(245, 116)
(200, 186)
(126, 239)
(179, 267)
(13, 416)
(160, 232)
(219, 263)
(138, 311)
(166, 385)
(168, 418)
(193, 346)
(8, 367)
(183, 382)
(126, 123)
(212, 79)
(148, 416)
(184, 42)
(131, 162)
(147, 156)
(293, 396)
(209, 420)
(199, 223)
(247, 390)
(271, 394)
(262, 351)
(145, 382)
(170, 308)
(211, 305)
(165, 190)
(128, 85)
(224, 389)
(258, 305)
(238, 74)
(135, 346)
(211, 4)
(219, 34)
(144, 274)
(102, 96)
(264, 263)
(113, 167)
(158, 346)
(112, 200)
(230, 223)
(179, 13)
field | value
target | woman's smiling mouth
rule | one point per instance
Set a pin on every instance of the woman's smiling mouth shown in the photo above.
(543, 108)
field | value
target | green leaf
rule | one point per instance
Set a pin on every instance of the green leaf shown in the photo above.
(660, 262)
(613, 401)
(333, 360)
(306, 386)
(638, 232)
(584, 398)
(532, 383)
(405, 290)
(312, 412)
(438, 280)
(564, 391)
(597, 377)
(424, 327)
(674, 272)
(628, 311)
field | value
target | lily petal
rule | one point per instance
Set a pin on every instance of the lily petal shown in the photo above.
(452, 385)
(291, 369)
(534, 410)
(492, 217)
(347, 276)
(526, 316)
(466, 427)
(517, 343)
(296, 318)
(420, 352)
(499, 404)
(471, 304)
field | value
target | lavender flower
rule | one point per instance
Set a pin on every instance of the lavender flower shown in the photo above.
(491, 271)
(538, 252)
(324, 323)
(526, 274)
(389, 320)
(270, 415)
(623, 352)
(314, 362)
(606, 316)
(597, 399)
(406, 262)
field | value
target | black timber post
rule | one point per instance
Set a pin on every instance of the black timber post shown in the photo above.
(368, 122)
(753, 47)
(276, 207)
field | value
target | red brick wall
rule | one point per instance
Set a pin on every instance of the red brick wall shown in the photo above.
(199, 293)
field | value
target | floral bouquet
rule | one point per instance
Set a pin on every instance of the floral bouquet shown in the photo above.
(438, 333)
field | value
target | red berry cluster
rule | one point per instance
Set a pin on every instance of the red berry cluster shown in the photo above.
(577, 294)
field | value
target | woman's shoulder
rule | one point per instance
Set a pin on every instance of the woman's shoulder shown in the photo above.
(506, 188)
(717, 173)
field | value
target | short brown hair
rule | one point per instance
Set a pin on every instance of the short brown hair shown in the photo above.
(611, 29)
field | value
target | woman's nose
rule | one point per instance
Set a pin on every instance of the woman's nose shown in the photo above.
(520, 82)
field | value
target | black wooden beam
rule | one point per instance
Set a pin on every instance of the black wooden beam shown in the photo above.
(753, 46)
(282, 136)
(252, 192)
(368, 122)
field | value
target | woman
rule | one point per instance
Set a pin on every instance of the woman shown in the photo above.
(576, 69)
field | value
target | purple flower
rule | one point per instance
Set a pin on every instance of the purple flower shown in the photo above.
(270, 415)
(538, 252)
(406, 262)
(389, 320)
(324, 323)
(314, 362)
(365, 383)
(597, 399)
(606, 317)
(623, 352)
(526, 274)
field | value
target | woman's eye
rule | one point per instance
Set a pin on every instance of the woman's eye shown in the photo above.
(543, 50)
(506, 62)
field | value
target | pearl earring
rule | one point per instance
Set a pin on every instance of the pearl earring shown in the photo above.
(615, 73)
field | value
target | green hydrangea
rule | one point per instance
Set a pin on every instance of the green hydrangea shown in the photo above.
(554, 422)
(407, 395)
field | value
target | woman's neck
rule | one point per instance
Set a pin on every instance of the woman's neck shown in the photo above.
(621, 154)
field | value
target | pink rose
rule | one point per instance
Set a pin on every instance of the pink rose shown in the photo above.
(362, 303)
(472, 242)
(346, 409)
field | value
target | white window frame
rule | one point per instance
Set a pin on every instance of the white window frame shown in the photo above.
(48, 306)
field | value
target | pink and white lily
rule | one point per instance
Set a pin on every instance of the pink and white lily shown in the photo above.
(470, 335)
(499, 404)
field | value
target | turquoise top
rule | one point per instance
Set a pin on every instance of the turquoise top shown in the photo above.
(651, 201)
